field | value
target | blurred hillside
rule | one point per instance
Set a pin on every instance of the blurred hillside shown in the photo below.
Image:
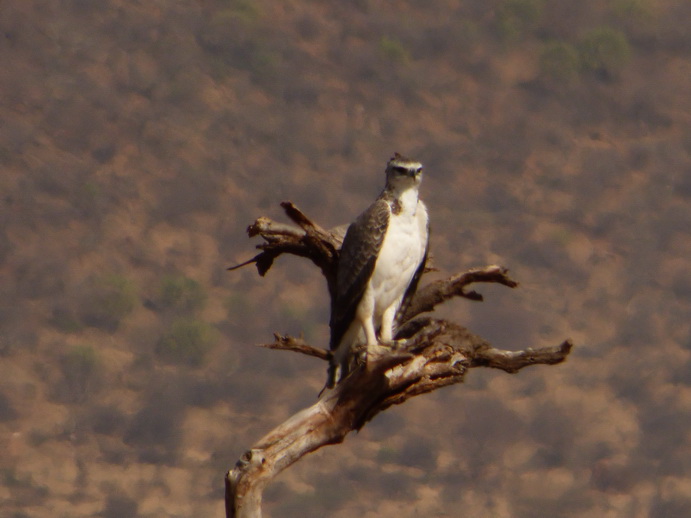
(139, 139)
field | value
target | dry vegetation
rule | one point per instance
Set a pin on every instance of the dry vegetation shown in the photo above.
(137, 141)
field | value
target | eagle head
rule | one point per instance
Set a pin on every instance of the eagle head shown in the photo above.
(403, 170)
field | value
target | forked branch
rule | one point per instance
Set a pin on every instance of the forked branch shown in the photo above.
(432, 353)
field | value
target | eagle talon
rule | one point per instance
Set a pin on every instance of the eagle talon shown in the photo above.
(360, 355)
(375, 352)
(397, 345)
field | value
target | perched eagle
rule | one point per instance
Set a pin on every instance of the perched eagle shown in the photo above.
(382, 258)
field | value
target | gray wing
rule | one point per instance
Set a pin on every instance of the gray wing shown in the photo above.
(357, 258)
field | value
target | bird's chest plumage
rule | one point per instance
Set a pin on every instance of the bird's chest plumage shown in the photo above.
(401, 252)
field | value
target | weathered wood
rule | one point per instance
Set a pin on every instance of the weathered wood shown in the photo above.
(429, 354)
(433, 294)
(290, 343)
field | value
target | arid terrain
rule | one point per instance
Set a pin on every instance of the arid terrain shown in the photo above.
(139, 139)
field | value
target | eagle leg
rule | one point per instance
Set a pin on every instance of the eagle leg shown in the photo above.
(386, 329)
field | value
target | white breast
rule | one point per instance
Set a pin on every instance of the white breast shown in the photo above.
(402, 251)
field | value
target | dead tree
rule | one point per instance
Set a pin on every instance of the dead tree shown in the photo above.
(436, 353)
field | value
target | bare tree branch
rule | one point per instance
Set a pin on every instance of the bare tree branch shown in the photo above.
(309, 240)
(429, 297)
(512, 361)
(298, 345)
(440, 354)
(429, 354)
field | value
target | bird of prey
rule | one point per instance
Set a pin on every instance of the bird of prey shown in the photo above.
(381, 260)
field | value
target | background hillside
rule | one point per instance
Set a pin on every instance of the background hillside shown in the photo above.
(139, 139)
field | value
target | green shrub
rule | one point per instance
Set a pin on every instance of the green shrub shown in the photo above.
(5, 244)
(187, 342)
(517, 17)
(80, 372)
(7, 410)
(236, 303)
(90, 200)
(155, 431)
(605, 50)
(106, 420)
(394, 50)
(226, 31)
(181, 293)
(23, 488)
(387, 454)
(245, 10)
(64, 320)
(633, 10)
(109, 299)
(265, 65)
(79, 362)
(117, 505)
(559, 62)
